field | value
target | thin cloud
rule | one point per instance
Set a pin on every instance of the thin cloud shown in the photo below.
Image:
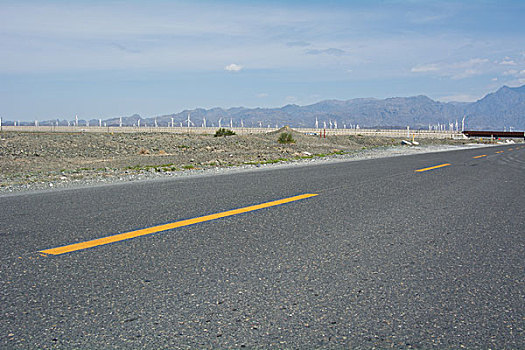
(456, 70)
(331, 51)
(508, 63)
(511, 72)
(459, 98)
(425, 68)
(233, 67)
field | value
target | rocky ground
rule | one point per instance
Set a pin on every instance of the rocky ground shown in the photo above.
(32, 161)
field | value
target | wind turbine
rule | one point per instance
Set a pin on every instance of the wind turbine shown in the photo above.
(316, 123)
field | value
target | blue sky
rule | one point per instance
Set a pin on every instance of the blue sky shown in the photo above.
(100, 59)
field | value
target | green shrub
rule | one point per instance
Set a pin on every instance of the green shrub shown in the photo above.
(224, 132)
(286, 137)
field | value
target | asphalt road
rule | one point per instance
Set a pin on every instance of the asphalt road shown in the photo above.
(383, 256)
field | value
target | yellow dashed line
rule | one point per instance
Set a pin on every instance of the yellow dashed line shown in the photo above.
(432, 167)
(170, 226)
(481, 156)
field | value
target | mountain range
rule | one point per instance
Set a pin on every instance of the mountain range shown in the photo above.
(500, 110)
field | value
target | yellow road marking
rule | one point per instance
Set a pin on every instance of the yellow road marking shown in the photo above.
(169, 226)
(500, 152)
(481, 156)
(433, 167)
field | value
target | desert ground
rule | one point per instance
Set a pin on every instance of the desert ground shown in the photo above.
(42, 160)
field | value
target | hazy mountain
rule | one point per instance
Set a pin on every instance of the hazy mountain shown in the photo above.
(502, 109)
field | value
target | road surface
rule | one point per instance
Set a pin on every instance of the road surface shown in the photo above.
(414, 251)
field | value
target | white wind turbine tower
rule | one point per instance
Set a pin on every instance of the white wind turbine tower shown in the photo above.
(316, 123)
(231, 123)
(119, 122)
(335, 124)
(220, 119)
(76, 119)
(242, 123)
(172, 125)
(189, 120)
(324, 125)
(204, 122)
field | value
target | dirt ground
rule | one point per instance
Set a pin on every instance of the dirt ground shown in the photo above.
(27, 158)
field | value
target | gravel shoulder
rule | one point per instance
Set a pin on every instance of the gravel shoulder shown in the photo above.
(47, 161)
